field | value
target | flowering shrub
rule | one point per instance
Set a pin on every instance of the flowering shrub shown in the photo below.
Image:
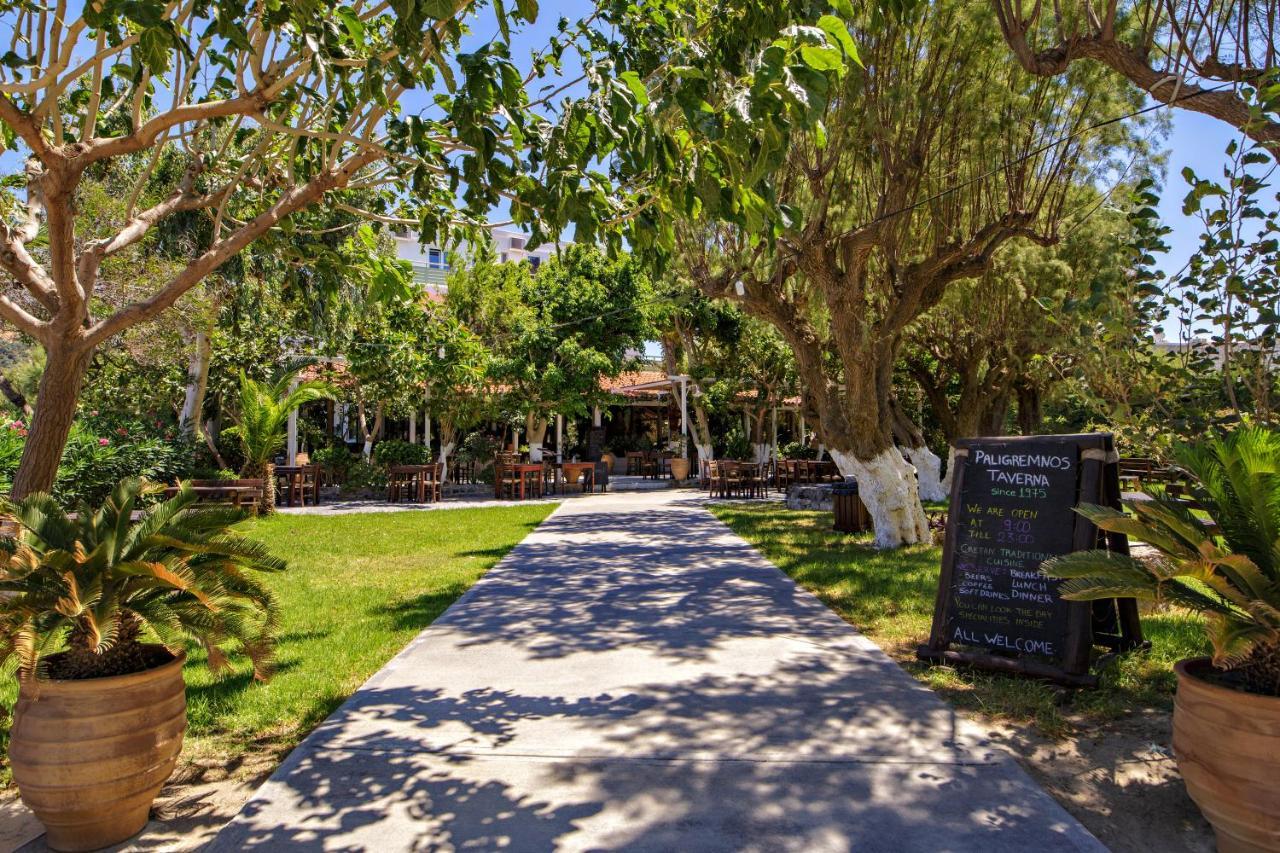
(94, 462)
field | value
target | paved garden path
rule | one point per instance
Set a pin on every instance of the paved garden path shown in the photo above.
(633, 676)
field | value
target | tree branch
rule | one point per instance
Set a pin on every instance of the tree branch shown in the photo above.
(223, 250)
(20, 317)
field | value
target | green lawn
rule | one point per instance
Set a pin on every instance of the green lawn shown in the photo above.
(358, 588)
(890, 596)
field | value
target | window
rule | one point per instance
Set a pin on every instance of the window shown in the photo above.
(436, 259)
(534, 261)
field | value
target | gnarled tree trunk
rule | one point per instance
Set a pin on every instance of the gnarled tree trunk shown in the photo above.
(55, 409)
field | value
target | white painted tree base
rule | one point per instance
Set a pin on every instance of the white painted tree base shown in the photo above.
(446, 450)
(887, 486)
(761, 452)
(951, 469)
(928, 472)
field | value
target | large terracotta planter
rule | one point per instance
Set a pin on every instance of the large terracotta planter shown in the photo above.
(1228, 747)
(89, 756)
(679, 468)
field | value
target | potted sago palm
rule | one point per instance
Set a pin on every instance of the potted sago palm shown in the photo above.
(262, 419)
(95, 610)
(1226, 719)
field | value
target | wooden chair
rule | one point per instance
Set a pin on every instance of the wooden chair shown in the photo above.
(715, 477)
(312, 477)
(752, 482)
(462, 471)
(731, 478)
(506, 482)
(402, 481)
(432, 485)
(784, 474)
(635, 462)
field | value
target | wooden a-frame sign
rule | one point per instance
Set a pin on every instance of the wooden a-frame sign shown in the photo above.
(1012, 501)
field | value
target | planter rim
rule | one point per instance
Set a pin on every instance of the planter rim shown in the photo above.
(1189, 670)
(108, 682)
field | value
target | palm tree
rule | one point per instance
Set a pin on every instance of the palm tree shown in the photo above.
(262, 420)
(1229, 571)
(91, 587)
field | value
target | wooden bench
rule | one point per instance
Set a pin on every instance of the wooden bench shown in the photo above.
(243, 494)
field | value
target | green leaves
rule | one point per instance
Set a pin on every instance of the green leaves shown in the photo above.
(94, 582)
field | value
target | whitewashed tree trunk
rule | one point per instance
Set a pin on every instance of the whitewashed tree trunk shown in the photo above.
(446, 450)
(706, 452)
(887, 486)
(761, 452)
(951, 468)
(197, 384)
(369, 434)
(535, 434)
(928, 472)
(448, 442)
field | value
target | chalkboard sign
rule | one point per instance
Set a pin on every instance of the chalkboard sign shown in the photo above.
(1011, 509)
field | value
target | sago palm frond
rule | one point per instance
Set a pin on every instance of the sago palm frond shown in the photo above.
(1230, 570)
(96, 582)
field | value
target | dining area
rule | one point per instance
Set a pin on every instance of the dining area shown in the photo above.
(515, 477)
(732, 478)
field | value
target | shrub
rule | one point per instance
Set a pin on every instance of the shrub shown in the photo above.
(336, 461)
(362, 475)
(396, 452)
(479, 447)
(797, 450)
(95, 460)
(92, 464)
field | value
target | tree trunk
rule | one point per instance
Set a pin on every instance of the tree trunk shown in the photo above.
(701, 429)
(1030, 413)
(535, 428)
(368, 434)
(265, 471)
(887, 486)
(197, 383)
(448, 441)
(928, 467)
(51, 423)
(927, 464)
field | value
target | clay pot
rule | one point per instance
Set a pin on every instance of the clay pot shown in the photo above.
(679, 468)
(90, 755)
(1228, 747)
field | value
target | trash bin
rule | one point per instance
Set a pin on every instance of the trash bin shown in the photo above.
(850, 514)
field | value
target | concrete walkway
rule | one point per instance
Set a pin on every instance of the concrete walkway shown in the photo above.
(634, 677)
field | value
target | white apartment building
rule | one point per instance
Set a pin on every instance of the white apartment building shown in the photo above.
(431, 263)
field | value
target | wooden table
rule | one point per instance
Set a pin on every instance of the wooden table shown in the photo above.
(417, 476)
(295, 476)
(586, 470)
(521, 470)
